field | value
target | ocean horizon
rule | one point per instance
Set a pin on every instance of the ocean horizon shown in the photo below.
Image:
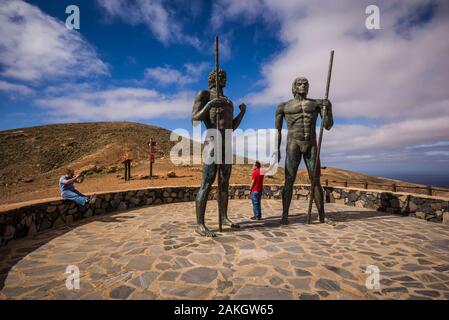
(432, 179)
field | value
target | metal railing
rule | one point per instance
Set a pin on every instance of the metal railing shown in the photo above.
(429, 190)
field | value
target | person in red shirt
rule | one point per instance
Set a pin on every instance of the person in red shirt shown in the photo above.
(256, 190)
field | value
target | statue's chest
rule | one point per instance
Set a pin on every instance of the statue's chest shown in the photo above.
(224, 111)
(301, 108)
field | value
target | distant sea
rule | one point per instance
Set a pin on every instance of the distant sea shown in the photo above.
(433, 179)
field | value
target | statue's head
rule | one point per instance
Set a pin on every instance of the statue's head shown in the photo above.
(221, 79)
(300, 86)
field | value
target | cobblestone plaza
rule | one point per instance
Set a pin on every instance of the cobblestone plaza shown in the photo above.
(153, 253)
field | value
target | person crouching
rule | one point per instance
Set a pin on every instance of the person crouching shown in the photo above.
(68, 191)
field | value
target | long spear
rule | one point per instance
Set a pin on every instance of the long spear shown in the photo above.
(220, 226)
(318, 148)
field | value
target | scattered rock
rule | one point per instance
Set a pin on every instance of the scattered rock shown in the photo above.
(112, 169)
(171, 174)
(420, 215)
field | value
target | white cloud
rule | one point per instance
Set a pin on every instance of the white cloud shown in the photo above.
(377, 74)
(12, 88)
(69, 88)
(431, 145)
(390, 136)
(438, 153)
(388, 145)
(396, 76)
(35, 46)
(117, 104)
(159, 19)
(167, 75)
(363, 142)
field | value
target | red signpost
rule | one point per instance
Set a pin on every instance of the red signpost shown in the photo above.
(151, 154)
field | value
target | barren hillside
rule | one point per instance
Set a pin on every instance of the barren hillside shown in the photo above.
(32, 159)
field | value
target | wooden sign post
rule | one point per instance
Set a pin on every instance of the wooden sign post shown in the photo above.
(152, 154)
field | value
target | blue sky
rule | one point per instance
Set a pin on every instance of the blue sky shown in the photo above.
(145, 60)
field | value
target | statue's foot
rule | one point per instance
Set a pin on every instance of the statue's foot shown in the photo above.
(284, 221)
(226, 222)
(327, 221)
(202, 230)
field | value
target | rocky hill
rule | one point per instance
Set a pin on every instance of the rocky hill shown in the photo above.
(30, 152)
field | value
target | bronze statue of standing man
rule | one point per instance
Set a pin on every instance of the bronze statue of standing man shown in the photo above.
(216, 111)
(301, 114)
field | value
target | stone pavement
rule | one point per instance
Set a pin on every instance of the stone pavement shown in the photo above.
(152, 253)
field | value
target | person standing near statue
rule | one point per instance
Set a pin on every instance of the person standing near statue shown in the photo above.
(256, 188)
(300, 114)
(216, 111)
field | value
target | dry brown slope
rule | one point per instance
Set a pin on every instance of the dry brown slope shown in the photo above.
(26, 153)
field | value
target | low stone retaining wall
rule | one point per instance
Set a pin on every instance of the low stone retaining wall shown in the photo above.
(424, 207)
(29, 220)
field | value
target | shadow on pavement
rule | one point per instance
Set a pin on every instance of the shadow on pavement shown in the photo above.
(7, 261)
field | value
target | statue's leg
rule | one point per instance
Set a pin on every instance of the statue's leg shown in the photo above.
(225, 174)
(209, 172)
(292, 160)
(309, 158)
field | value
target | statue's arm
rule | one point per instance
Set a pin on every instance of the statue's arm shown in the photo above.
(326, 106)
(238, 119)
(199, 111)
(279, 119)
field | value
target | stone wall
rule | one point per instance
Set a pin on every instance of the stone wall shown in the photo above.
(29, 220)
(424, 207)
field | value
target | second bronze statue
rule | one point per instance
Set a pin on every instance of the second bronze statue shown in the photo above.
(301, 114)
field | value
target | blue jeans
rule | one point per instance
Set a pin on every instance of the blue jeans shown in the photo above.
(75, 196)
(256, 196)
